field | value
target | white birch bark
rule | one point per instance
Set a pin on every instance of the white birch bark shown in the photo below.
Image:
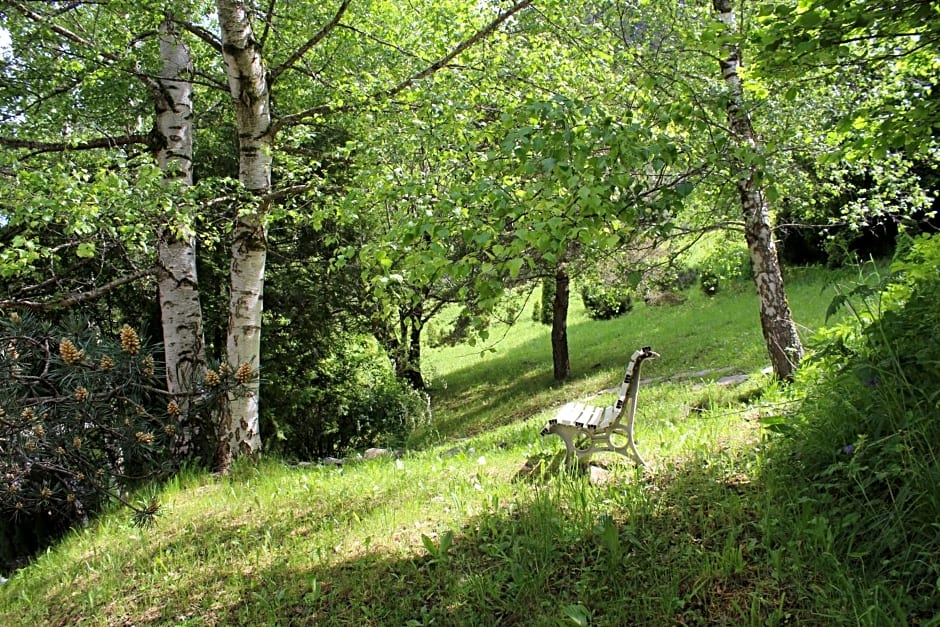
(780, 333)
(180, 308)
(248, 84)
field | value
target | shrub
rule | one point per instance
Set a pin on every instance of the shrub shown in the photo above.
(82, 419)
(725, 264)
(863, 448)
(544, 309)
(604, 302)
(349, 400)
(709, 282)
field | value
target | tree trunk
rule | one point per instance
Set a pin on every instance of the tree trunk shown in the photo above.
(412, 372)
(248, 85)
(180, 309)
(780, 334)
(560, 325)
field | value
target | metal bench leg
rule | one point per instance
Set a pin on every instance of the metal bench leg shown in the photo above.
(568, 435)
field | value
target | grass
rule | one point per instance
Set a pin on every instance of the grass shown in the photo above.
(468, 527)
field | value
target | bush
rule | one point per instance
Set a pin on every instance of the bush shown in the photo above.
(604, 302)
(725, 264)
(82, 420)
(347, 401)
(709, 282)
(863, 449)
(544, 310)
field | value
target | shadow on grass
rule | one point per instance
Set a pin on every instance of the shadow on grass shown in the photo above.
(683, 547)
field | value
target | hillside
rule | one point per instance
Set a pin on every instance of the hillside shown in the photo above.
(470, 526)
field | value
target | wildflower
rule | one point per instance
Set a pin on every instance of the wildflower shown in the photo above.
(848, 449)
(130, 343)
(243, 374)
(70, 355)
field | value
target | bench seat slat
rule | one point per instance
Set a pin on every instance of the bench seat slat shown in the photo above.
(585, 416)
(567, 414)
(597, 417)
(609, 414)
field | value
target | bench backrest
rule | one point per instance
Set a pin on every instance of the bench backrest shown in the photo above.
(631, 384)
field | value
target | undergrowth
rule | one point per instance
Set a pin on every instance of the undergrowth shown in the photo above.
(858, 464)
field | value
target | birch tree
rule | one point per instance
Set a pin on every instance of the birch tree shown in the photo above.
(180, 304)
(89, 53)
(777, 325)
(251, 99)
(250, 85)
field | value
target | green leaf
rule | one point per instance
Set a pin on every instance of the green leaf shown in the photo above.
(85, 250)
(578, 614)
(429, 545)
(514, 266)
(835, 305)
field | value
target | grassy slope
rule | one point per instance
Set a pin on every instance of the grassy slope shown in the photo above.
(365, 544)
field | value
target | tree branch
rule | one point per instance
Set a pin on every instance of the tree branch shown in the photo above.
(268, 20)
(76, 38)
(201, 33)
(382, 42)
(287, 191)
(76, 298)
(39, 147)
(310, 43)
(383, 95)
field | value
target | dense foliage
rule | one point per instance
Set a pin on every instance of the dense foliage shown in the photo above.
(862, 452)
(606, 301)
(543, 312)
(347, 400)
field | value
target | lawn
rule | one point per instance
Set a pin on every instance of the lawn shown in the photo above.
(470, 525)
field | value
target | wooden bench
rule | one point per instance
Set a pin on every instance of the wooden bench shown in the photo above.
(588, 429)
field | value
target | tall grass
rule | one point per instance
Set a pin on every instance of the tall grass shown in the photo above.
(861, 456)
(472, 526)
